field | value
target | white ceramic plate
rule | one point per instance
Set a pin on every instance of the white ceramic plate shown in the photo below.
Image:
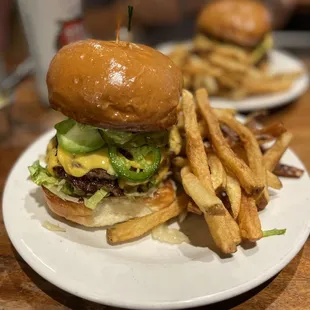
(279, 62)
(147, 274)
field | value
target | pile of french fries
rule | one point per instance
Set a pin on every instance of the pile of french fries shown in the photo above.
(226, 70)
(225, 171)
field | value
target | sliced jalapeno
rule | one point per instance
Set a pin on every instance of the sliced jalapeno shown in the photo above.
(142, 163)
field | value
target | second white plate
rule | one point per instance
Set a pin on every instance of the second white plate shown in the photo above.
(279, 62)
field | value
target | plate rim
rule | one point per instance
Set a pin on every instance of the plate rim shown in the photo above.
(198, 301)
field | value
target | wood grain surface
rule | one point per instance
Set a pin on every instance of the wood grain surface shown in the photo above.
(22, 288)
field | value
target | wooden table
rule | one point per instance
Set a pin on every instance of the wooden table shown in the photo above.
(22, 288)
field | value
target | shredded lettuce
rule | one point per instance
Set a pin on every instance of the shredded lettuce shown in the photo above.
(117, 137)
(41, 176)
(129, 139)
(61, 188)
(93, 201)
(52, 227)
(62, 195)
(158, 139)
(261, 49)
(132, 191)
(68, 189)
(274, 232)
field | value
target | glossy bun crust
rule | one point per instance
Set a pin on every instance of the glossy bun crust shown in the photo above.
(123, 86)
(242, 22)
(112, 210)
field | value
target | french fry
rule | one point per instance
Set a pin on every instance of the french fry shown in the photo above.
(273, 155)
(287, 171)
(274, 130)
(233, 227)
(252, 120)
(187, 81)
(218, 174)
(198, 81)
(180, 161)
(179, 55)
(273, 181)
(236, 94)
(243, 173)
(211, 84)
(230, 135)
(263, 199)
(233, 191)
(194, 146)
(203, 129)
(254, 87)
(264, 67)
(227, 63)
(264, 138)
(192, 207)
(205, 81)
(207, 202)
(254, 74)
(248, 220)
(227, 81)
(137, 227)
(254, 155)
(202, 43)
(223, 229)
(232, 52)
(287, 75)
(253, 152)
(196, 65)
(231, 112)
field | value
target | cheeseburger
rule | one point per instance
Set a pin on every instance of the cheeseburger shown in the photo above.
(244, 24)
(108, 161)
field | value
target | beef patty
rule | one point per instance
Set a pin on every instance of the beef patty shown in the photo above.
(91, 181)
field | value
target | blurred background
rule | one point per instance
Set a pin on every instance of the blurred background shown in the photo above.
(32, 31)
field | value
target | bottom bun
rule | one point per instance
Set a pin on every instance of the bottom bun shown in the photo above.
(111, 210)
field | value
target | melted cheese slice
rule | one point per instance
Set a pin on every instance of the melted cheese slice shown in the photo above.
(78, 165)
(51, 156)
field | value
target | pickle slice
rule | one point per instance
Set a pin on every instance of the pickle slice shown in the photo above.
(77, 138)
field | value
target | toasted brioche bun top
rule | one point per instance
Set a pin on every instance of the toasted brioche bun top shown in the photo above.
(242, 22)
(123, 86)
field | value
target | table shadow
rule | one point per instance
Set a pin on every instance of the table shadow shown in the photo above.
(74, 302)
(288, 273)
(59, 295)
